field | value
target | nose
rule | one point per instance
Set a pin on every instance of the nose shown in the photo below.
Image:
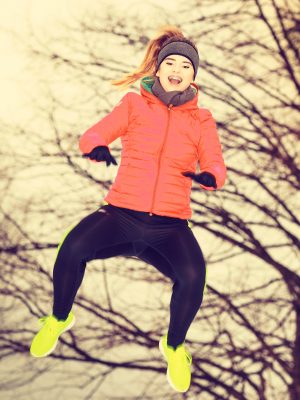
(175, 68)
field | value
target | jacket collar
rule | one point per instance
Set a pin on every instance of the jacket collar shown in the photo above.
(146, 92)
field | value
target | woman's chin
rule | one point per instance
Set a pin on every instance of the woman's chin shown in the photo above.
(171, 88)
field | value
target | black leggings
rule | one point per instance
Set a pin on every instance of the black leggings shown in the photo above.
(167, 243)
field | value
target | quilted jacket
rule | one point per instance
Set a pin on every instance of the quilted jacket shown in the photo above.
(159, 142)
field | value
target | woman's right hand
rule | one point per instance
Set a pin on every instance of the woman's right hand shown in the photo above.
(101, 153)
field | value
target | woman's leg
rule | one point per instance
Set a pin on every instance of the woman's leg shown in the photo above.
(181, 251)
(96, 233)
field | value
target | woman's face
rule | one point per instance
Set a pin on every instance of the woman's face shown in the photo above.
(176, 66)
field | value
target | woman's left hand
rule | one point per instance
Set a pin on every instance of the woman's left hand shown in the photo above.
(205, 178)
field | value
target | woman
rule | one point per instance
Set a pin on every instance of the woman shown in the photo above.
(164, 134)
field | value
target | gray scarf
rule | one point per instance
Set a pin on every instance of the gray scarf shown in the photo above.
(175, 97)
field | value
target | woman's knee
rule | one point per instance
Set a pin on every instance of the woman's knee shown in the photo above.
(64, 236)
(73, 247)
(194, 277)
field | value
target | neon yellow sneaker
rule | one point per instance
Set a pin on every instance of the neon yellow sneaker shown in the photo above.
(46, 339)
(179, 365)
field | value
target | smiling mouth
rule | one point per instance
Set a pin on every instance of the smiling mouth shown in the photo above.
(174, 81)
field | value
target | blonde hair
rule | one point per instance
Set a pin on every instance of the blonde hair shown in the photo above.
(165, 35)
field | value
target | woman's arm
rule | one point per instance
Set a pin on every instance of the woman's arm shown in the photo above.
(108, 129)
(209, 149)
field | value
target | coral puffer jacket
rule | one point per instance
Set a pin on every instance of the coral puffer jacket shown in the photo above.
(159, 142)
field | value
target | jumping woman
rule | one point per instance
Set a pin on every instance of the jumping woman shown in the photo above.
(146, 212)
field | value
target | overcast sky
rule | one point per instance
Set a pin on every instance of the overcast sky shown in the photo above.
(43, 16)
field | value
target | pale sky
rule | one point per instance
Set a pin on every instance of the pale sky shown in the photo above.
(44, 16)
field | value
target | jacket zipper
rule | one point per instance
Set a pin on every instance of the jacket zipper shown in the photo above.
(169, 109)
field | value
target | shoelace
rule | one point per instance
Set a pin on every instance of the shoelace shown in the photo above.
(189, 358)
(51, 322)
(43, 319)
(184, 353)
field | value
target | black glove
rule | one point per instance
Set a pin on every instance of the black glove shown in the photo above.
(101, 153)
(205, 178)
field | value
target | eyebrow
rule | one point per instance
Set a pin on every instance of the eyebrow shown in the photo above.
(173, 59)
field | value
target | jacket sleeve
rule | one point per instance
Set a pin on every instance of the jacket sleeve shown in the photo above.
(209, 150)
(108, 129)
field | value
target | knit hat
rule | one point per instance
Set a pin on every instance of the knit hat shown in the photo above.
(181, 48)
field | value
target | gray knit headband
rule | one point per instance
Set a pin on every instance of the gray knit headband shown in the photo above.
(181, 48)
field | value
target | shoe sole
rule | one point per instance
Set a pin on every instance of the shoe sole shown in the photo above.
(161, 348)
(55, 343)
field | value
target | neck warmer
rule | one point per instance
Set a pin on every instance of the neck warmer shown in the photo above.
(175, 97)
